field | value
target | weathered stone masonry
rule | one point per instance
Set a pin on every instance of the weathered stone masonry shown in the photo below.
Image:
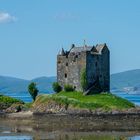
(96, 61)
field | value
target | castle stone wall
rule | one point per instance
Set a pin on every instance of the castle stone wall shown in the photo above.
(69, 69)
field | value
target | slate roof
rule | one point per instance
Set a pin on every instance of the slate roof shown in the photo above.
(80, 49)
(97, 49)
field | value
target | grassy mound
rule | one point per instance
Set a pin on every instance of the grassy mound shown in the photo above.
(6, 102)
(105, 101)
(7, 99)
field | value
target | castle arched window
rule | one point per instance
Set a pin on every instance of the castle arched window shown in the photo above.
(65, 75)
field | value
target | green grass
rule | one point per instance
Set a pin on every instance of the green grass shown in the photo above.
(7, 99)
(105, 101)
(6, 102)
(28, 105)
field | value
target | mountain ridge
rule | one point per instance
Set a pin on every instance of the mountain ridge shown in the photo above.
(17, 85)
(119, 81)
(127, 79)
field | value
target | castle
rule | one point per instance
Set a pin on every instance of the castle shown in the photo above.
(96, 62)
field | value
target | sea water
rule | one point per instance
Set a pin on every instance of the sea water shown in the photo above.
(131, 96)
(72, 136)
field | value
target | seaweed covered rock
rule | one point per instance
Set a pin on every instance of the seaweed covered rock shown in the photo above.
(7, 102)
(15, 108)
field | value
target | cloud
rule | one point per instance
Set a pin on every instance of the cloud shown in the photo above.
(6, 17)
(65, 16)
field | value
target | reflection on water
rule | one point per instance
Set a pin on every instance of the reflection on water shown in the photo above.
(71, 136)
(55, 129)
(16, 138)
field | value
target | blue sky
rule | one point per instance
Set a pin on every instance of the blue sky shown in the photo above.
(33, 31)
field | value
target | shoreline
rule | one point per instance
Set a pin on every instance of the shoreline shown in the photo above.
(28, 114)
(72, 122)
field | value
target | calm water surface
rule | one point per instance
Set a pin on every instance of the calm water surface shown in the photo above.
(51, 128)
(68, 136)
(132, 96)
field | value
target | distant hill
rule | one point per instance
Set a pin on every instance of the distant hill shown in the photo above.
(128, 79)
(44, 84)
(12, 85)
(15, 85)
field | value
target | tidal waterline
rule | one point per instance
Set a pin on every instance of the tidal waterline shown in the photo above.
(70, 127)
(132, 96)
(71, 136)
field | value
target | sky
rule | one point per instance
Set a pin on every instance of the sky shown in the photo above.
(33, 31)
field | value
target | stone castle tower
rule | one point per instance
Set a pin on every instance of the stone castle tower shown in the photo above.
(94, 59)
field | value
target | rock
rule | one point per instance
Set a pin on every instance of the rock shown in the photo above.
(14, 108)
(115, 112)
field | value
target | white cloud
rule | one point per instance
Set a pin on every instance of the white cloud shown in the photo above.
(6, 17)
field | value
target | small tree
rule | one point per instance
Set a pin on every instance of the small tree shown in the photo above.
(83, 79)
(56, 87)
(68, 88)
(32, 89)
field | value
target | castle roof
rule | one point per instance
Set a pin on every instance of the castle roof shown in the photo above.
(95, 50)
(98, 49)
(80, 49)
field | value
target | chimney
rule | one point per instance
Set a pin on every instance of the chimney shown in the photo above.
(85, 46)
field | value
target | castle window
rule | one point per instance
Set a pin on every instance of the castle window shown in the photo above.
(65, 75)
(59, 62)
(96, 64)
(76, 56)
(67, 64)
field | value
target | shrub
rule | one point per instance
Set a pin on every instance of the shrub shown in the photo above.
(56, 87)
(68, 88)
(32, 89)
